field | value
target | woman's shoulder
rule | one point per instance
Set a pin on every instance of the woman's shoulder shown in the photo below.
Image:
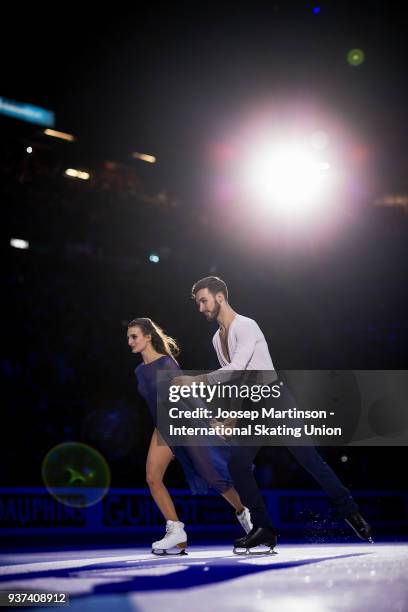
(167, 363)
(139, 368)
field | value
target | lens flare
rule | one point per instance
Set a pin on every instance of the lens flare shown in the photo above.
(76, 474)
(355, 57)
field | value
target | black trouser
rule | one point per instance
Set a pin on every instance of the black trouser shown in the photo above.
(309, 458)
(241, 470)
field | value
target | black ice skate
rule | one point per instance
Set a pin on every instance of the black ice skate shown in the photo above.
(258, 536)
(360, 526)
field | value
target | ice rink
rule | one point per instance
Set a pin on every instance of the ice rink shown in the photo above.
(304, 578)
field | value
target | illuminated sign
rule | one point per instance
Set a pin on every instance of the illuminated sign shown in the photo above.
(27, 112)
(32, 510)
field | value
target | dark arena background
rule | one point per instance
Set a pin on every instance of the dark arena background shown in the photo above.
(141, 150)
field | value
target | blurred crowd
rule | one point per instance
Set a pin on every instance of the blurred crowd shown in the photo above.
(65, 366)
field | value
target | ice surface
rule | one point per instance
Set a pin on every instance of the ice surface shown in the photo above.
(304, 578)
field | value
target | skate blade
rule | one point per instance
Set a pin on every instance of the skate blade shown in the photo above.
(175, 551)
(253, 552)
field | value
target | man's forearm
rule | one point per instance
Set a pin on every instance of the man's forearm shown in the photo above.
(189, 380)
(200, 378)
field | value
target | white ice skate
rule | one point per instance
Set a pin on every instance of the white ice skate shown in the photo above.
(245, 519)
(174, 542)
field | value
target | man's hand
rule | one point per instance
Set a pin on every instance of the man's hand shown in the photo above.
(226, 423)
(230, 422)
(214, 423)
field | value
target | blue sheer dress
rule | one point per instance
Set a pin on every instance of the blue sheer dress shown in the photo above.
(204, 466)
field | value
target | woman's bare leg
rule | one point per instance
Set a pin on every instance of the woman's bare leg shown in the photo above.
(158, 459)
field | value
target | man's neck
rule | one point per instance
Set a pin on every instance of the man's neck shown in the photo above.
(226, 316)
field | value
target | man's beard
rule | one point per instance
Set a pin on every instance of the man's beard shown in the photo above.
(214, 312)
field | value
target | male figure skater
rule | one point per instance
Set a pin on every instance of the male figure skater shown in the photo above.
(241, 345)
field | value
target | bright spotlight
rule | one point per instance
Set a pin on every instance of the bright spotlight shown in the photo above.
(287, 177)
(153, 258)
(60, 135)
(79, 174)
(18, 243)
(29, 149)
(319, 140)
(150, 159)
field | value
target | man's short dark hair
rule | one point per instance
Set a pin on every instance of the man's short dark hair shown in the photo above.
(212, 283)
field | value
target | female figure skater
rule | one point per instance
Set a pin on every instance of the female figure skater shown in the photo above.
(204, 467)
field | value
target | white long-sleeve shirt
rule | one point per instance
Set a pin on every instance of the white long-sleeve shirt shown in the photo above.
(247, 348)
